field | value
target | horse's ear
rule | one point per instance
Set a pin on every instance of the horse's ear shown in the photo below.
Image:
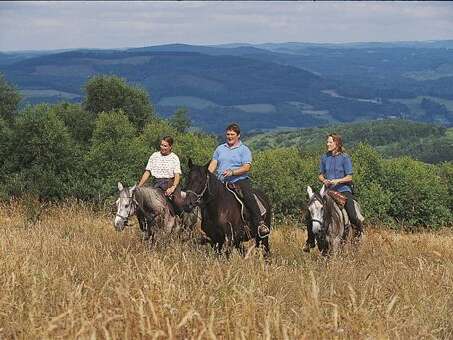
(133, 189)
(207, 164)
(190, 163)
(310, 192)
(120, 186)
(323, 190)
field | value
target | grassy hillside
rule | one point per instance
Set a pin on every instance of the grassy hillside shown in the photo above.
(71, 275)
(425, 142)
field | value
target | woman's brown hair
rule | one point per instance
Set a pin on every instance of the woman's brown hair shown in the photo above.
(338, 141)
(168, 139)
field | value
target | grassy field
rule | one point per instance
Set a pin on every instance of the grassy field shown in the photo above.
(70, 275)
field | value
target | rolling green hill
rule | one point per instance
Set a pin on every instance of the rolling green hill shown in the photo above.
(263, 87)
(425, 142)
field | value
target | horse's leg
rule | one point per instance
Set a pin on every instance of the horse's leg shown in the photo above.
(240, 247)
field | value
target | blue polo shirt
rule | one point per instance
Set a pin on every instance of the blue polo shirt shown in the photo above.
(335, 167)
(231, 158)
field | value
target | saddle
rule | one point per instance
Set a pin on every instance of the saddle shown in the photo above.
(239, 195)
(338, 197)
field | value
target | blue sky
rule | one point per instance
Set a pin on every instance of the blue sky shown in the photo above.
(56, 25)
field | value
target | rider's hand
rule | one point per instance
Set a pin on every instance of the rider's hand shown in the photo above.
(228, 173)
(327, 183)
(170, 190)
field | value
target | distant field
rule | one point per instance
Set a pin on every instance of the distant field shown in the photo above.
(71, 275)
(191, 102)
(48, 93)
(414, 103)
(444, 70)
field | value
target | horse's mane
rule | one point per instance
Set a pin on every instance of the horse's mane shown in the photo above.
(150, 198)
(331, 211)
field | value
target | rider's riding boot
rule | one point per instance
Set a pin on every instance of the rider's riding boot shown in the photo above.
(263, 230)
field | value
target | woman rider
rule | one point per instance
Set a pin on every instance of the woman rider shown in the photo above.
(165, 168)
(335, 172)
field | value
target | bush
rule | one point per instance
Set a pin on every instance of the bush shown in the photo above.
(42, 156)
(418, 195)
(283, 174)
(80, 123)
(116, 154)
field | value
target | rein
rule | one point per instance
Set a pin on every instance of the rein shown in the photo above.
(200, 195)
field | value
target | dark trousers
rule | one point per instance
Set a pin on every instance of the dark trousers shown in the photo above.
(352, 214)
(164, 184)
(250, 201)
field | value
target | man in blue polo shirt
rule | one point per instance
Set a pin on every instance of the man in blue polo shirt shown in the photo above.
(231, 163)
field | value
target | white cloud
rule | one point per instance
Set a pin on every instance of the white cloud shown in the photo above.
(47, 25)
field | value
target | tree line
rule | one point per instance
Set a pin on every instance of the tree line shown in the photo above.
(82, 150)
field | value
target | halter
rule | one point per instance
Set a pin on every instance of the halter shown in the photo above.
(200, 195)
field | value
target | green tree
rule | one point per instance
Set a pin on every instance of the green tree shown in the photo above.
(108, 93)
(79, 122)
(9, 99)
(180, 120)
(116, 154)
(197, 146)
(42, 156)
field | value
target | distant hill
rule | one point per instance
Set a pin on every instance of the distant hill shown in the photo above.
(425, 142)
(264, 86)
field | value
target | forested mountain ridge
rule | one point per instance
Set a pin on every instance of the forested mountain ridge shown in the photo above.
(262, 86)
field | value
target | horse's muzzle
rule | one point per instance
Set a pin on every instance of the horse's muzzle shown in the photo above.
(119, 224)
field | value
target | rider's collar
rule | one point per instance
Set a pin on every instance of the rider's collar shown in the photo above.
(234, 146)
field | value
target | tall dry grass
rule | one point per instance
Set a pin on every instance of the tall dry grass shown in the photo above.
(65, 273)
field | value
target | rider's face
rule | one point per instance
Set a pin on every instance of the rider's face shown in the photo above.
(331, 145)
(165, 148)
(231, 137)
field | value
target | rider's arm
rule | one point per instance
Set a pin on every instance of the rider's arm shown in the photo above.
(345, 179)
(176, 181)
(241, 170)
(145, 177)
(212, 166)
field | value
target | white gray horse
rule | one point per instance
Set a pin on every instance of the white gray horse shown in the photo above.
(153, 211)
(330, 223)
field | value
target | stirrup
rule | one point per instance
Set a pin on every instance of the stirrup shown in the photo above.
(264, 235)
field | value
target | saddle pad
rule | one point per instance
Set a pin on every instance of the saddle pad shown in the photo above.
(260, 205)
(338, 197)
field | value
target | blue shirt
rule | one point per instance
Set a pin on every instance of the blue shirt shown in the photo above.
(335, 167)
(231, 158)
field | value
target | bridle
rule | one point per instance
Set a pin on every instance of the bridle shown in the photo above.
(131, 206)
(320, 200)
(199, 196)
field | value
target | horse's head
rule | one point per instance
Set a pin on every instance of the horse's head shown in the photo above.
(196, 186)
(125, 206)
(316, 207)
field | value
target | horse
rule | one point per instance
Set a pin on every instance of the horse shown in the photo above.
(330, 223)
(222, 214)
(153, 210)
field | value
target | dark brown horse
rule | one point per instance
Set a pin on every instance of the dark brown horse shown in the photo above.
(221, 211)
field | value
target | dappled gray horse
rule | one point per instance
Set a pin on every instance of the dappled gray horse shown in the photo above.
(153, 211)
(330, 223)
